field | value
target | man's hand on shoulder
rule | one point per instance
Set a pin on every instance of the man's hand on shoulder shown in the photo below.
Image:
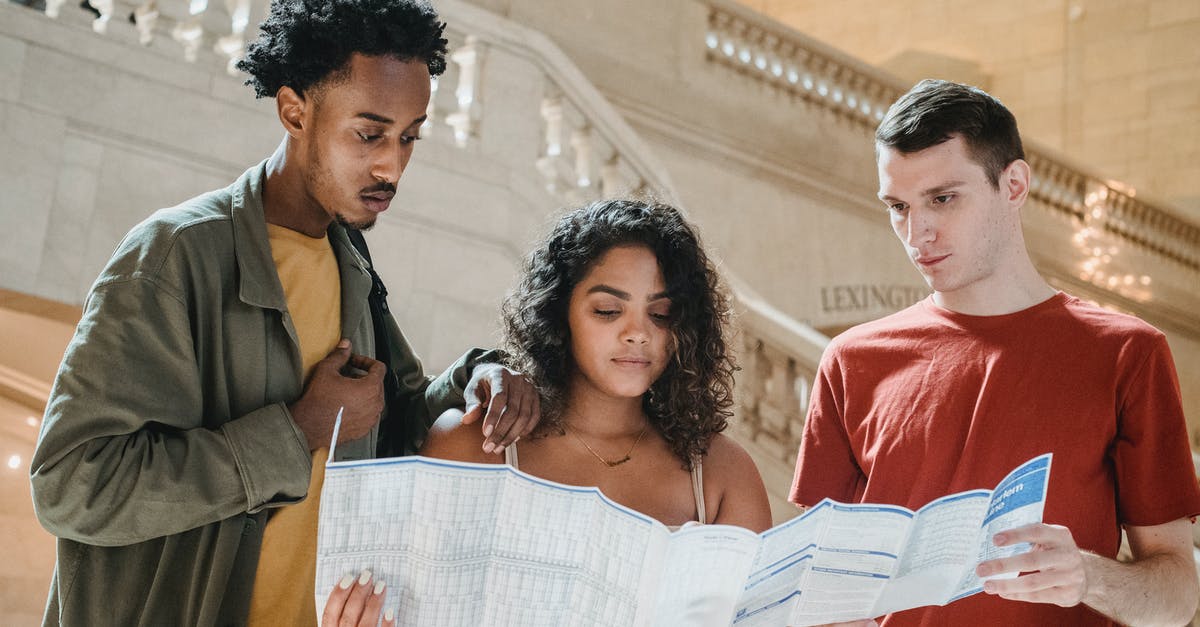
(506, 400)
(341, 380)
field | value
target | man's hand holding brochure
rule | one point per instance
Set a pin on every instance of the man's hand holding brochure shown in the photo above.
(469, 544)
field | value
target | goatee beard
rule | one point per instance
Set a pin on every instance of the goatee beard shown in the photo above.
(364, 225)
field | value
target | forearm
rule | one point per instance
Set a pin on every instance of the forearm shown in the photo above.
(121, 488)
(1155, 590)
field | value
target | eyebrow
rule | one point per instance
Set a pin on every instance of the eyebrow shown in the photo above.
(623, 295)
(932, 191)
(374, 117)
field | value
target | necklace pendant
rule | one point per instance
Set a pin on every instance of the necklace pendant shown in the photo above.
(617, 462)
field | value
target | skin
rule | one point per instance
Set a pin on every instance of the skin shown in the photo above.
(964, 235)
(621, 344)
(348, 141)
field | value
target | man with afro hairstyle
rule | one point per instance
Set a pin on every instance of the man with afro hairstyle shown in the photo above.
(192, 413)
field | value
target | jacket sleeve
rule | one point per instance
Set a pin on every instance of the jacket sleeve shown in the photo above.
(421, 399)
(127, 452)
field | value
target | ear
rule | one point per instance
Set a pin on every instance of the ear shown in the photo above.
(291, 107)
(1014, 182)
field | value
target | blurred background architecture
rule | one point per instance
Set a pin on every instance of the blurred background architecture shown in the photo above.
(754, 117)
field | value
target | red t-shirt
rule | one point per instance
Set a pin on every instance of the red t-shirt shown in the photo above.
(929, 402)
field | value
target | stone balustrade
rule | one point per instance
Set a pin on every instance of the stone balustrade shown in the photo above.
(580, 160)
(778, 357)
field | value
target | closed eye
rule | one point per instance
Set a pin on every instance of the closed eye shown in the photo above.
(367, 137)
(606, 313)
(408, 139)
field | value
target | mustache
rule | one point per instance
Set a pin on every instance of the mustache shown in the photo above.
(380, 187)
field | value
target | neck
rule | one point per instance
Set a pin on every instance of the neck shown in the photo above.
(286, 201)
(1011, 287)
(602, 416)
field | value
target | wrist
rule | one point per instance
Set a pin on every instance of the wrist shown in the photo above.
(1095, 584)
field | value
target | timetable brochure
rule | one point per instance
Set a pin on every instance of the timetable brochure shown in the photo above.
(475, 544)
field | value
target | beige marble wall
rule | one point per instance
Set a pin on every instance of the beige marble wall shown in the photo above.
(1113, 83)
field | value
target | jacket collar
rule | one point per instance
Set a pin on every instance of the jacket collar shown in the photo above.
(259, 281)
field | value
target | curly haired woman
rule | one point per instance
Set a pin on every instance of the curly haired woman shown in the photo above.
(620, 321)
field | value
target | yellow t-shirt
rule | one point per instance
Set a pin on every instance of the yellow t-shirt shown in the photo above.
(283, 586)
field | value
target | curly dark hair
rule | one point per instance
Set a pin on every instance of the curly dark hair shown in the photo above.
(305, 42)
(691, 401)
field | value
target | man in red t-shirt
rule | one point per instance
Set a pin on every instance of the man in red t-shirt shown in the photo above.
(996, 367)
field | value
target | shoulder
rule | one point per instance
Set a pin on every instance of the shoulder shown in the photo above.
(1103, 321)
(732, 476)
(881, 338)
(449, 438)
(729, 465)
(197, 228)
(1121, 335)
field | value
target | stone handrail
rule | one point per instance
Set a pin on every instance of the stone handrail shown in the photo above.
(797, 64)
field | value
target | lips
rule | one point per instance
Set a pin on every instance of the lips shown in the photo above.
(377, 202)
(928, 261)
(632, 362)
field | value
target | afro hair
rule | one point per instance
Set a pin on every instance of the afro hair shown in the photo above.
(304, 42)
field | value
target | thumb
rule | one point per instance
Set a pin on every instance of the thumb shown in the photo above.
(473, 412)
(340, 353)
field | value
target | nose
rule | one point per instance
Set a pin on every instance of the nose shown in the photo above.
(920, 227)
(636, 332)
(390, 162)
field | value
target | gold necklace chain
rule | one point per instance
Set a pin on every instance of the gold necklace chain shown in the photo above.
(610, 464)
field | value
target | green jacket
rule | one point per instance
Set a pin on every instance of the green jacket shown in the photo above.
(166, 437)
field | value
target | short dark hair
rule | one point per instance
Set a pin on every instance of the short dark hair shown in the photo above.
(691, 401)
(934, 111)
(304, 42)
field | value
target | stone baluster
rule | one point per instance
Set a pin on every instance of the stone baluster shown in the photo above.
(581, 146)
(552, 125)
(431, 110)
(610, 177)
(145, 19)
(190, 32)
(105, 8)
(233, 45)
(463, 120)
(773, 394)
(53, 7)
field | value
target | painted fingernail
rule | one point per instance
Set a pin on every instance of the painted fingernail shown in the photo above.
(487, 430)
(379, 586)
(346, 582)
(364, 577)
(389, 615)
